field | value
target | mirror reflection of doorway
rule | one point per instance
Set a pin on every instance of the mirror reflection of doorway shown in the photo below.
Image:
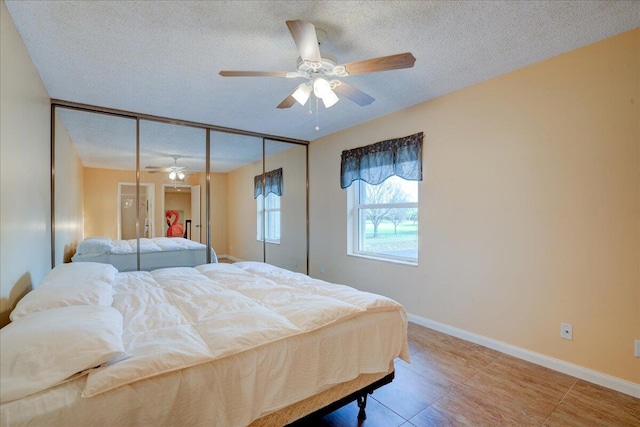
(181, 207)
(127, 210)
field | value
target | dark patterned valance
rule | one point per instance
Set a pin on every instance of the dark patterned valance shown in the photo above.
(272, 183)
(376, 162)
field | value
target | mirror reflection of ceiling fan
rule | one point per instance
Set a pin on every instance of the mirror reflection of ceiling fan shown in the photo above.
(320, 69)
(176, 172)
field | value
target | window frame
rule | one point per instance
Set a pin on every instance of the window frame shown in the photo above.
(262, 225)
(357, 229)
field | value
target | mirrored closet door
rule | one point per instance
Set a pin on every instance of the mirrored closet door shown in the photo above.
(93, 154)
(173, 166)
(282, 206)
(121, 176)
(235, 162)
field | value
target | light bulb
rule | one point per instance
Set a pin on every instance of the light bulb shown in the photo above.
(172, 175)
(302, 93)
(330, 99)
(180, 175)
(321, 87)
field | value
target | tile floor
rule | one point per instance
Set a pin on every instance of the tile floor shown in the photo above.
(452, 382)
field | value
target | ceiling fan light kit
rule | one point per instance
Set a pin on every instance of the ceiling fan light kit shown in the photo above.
(330, 99)
(319, 67)
(322, 90)
(302, 93)
(175, 171)
(176, 174)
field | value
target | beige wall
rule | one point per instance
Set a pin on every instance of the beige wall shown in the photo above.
(25, 207)
(68, 195)
(529, 208)
(241, 233)
(218, 211)
(101, 200)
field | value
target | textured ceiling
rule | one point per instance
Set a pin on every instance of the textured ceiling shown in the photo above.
(163, 58)
(109, 142)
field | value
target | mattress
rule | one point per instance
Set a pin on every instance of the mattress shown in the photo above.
(159, 252)
(151, 260)
(250, 374)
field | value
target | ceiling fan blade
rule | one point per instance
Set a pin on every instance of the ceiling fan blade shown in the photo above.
(154, 167)
(288, 101)
(383, 63)
(304, 35)
(354, 94)
(253, 73)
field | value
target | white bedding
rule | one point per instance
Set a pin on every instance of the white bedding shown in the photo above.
(223, 345)
(155, 244)
(157, 252)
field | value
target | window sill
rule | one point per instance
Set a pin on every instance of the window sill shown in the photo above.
(378, 258)
(273, 242)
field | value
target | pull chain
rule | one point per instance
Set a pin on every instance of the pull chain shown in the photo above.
(317, 114)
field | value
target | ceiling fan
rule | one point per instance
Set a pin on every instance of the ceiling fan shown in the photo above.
(320, 69)
(175, 172)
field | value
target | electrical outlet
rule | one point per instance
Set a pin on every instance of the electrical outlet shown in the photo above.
(566, 331)
(296, 264)
(636, 353)
(322, 269)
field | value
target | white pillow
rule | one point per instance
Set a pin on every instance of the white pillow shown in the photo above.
(49, 296)
(75, 272)
(94, 245)
(43, 349)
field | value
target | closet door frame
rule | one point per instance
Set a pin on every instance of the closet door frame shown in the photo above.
(55, 103)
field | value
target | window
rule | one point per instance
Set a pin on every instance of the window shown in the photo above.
(384, 220)
(270, 183)
(269, 215)
(383, 199)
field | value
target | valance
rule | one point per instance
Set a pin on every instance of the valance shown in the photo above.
(272, 183)
(376, 162)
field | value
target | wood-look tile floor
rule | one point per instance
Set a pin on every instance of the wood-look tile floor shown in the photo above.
(452, 382)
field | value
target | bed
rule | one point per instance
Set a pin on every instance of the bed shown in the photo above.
(216, 345)
(157, 252)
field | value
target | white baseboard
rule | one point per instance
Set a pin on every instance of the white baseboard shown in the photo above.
(623, 386)
(232, 258)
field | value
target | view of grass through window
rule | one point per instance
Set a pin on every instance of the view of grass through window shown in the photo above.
(399, 241)
(388, 218)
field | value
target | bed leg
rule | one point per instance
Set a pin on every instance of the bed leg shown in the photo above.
(362, 403)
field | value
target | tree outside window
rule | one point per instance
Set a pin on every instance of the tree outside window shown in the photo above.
(386, 219)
